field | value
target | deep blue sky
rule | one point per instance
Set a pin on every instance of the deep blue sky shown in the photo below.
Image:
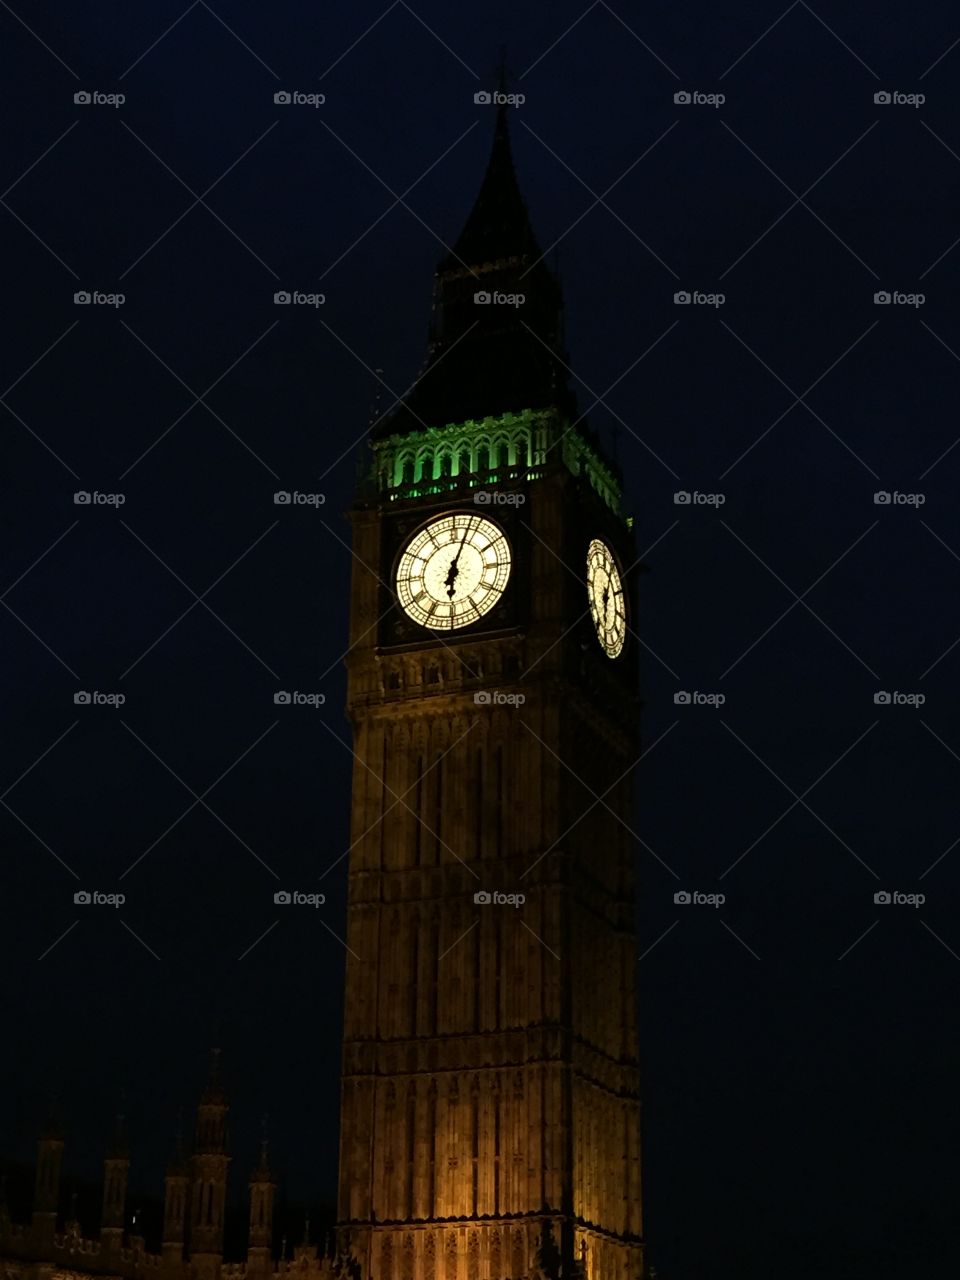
(800, 1109)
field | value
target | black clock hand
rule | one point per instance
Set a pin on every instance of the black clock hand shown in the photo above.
(453, 573)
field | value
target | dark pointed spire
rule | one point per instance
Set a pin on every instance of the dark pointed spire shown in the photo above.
(262, 1171)
(502, 70)
(53, 1123)
(211, 1131)
(496, 338)
(498, 227)
(377, 397)
(177, 1164)
(118, 1148)
(213, 1093)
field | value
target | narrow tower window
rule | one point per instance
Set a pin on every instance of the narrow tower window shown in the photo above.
(475, 1146)
(500, 803)
(411, 1146)
(438, 793)
(418, 814)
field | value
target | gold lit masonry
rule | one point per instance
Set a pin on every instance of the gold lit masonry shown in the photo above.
(453, 571)
(605, 592)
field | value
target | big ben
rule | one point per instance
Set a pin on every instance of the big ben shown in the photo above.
(490, 1112)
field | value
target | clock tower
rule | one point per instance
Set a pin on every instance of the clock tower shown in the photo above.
(490, 1113)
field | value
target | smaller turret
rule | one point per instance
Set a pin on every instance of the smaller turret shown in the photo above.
(116, 1169)
(46, 1194)
(262, 1191)
(306, 1251)
(208, 1190)
(176, 1189)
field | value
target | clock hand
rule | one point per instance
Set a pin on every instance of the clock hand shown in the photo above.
(453, 573)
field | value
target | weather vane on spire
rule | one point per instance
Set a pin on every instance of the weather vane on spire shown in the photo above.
(505, 77)
(502, 73)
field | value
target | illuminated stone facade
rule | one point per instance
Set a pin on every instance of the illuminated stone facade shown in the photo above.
(490, 1118)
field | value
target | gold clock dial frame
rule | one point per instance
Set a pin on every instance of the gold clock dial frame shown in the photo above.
(608, 606)
(453, 571)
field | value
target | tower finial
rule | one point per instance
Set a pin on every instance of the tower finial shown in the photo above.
(377, 397)
(213, 1091)
(262, 1171)
(52, 1125)
(118, 1145)
(502, 70)
(179, 1156)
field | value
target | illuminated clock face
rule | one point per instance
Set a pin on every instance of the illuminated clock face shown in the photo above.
(605, 593)
(453, 571)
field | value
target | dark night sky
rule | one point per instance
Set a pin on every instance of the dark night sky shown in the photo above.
(799, 1077)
